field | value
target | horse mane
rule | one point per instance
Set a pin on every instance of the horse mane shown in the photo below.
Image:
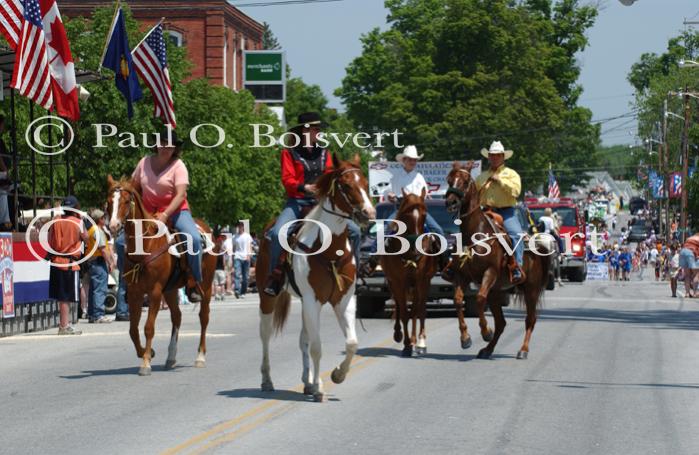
(326, 181)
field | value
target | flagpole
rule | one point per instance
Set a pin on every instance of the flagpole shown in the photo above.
(109, 35)
(148, 34)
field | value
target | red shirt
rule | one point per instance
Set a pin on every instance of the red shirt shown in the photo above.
(294, 173)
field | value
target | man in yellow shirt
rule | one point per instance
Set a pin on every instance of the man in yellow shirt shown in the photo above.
(502, 188)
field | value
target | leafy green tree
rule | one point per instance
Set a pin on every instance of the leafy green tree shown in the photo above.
(453, 75)
(269, 41)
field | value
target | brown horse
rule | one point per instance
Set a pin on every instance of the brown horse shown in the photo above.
(149, 274)
(408, 275)
(489, 269)
(324, 270)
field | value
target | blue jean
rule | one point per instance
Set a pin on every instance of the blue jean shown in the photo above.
(184, 223)
(292, 211)
(98, 288)
(431, 223)
(514, 230)
(122, 309)
(242, 272)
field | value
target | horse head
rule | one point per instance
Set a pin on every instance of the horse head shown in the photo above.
(412, 212)
(348, 190)
(120, 202)
(462, 188)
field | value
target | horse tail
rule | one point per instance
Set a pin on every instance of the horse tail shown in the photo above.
(533, 291)
(281, 310)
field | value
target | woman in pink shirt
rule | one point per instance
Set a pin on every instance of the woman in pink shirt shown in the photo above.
(162, 180)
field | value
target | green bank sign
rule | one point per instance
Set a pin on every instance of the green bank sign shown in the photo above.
(264, 67)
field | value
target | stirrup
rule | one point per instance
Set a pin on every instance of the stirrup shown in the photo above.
(273, 286)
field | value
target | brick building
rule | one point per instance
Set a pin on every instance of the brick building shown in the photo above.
(214, 32)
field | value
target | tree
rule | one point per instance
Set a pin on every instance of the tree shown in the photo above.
(454, 75)
(228, 182)
(269, 41)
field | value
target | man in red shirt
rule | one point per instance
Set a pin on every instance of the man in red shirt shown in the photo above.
(301, 166)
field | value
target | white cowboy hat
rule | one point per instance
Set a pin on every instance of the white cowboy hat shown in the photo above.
(408, 152)
(495, 149)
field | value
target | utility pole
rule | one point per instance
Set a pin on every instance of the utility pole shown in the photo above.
(685, 164)
(665, 166)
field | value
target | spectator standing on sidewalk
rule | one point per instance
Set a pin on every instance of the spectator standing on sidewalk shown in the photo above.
(122, 309)
(242, 253)
(66, 238)
(101, 262)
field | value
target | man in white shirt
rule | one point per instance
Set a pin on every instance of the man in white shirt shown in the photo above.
(408, 179)
(242, 253)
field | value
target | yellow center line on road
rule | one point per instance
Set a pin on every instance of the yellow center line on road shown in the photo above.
(220, 434)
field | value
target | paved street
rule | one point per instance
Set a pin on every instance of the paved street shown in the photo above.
(612, 370)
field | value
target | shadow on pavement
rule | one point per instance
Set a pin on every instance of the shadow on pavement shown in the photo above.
(130, 371)
(656, 319)
(587, 385)
(280, 395)
(391, 352)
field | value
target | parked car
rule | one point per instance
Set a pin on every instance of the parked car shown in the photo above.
(573, 263)
(372, 292)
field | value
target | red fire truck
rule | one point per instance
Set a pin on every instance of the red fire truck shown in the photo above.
(573, 261)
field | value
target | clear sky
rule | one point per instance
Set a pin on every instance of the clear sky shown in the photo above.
(322, 38)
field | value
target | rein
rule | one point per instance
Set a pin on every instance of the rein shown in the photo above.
(331, 193)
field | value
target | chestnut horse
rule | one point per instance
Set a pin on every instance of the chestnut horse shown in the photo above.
(489, 270)
(324, 270)
(149, 274)
(408, 275)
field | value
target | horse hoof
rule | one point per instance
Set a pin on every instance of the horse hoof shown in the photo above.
(407, 351)
(267, 387)
(465, 344)
(420, 351)
(397, 337)
(522, 355)
(319, 397)
(337, 376)
(488, 336)
(170, 364)
(308, 390)
(484, 354)
(199, 364)
(144, 371)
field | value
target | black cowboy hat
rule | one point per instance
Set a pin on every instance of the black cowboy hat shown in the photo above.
(310, 119)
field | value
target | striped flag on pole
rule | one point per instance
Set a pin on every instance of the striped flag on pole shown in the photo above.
(11, 18)
(31, 75)
(151, 64)
(554, 191)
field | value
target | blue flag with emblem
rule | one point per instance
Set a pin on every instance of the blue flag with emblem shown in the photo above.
(117, 57)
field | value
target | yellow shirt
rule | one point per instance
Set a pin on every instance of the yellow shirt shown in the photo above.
(95, 235)
(503, 193)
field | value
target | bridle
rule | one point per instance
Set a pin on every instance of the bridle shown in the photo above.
(132, 207)
(335, 184)
(461, 194)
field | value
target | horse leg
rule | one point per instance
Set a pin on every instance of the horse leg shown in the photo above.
(311, 318)
(489, 278)
(200, 362)
(154, 298)
(266, 329)
(176, 317)
(529, 323)
(304, 345)
(345, 313)
(403, 312)
(135, 309)
(421, 312)
(500, 323)
(459, 305)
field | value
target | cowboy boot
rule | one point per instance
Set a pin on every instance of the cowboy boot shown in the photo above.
(194, 291)
(273, 285)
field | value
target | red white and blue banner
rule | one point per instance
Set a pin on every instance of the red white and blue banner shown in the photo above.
(31, 275)
(7, 276)
(675, 185)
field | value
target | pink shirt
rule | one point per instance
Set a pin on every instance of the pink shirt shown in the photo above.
(159, 190)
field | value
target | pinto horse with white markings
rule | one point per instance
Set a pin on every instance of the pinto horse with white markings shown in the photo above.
(489, 267)
(322, 270)
(409, 274)
(152, 274)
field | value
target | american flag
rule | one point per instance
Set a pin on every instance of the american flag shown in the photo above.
(151, 64)
(11, 18)
(554, 192)
(31, 75)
